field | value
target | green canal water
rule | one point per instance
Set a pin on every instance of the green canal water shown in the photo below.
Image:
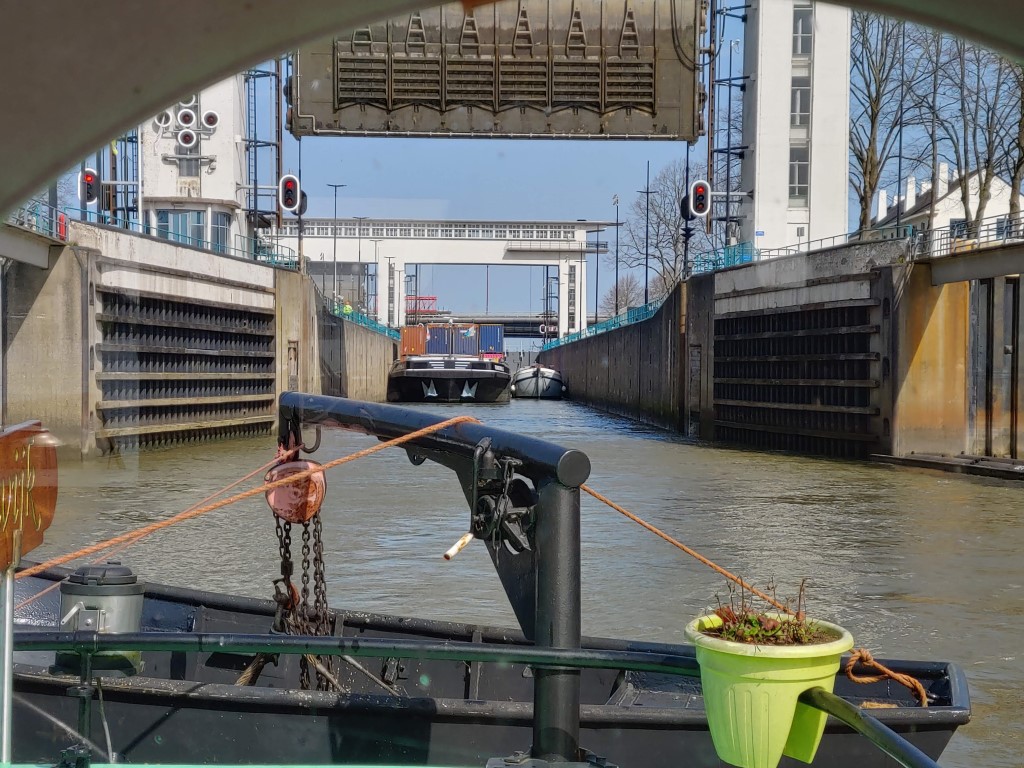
(916, 565)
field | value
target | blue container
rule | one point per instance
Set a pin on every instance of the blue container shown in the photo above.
(492, 339)
(438, 340)
(466, 340)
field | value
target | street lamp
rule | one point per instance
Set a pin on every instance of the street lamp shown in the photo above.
(334, 231)
(579, 276)
(597, 270)
(391, 289)
(362, 281)
(615, 202)
(376, 279)
(647, 234)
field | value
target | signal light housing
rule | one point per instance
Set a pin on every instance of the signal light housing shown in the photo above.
(88, 186)
(288, 194)
(700, 198)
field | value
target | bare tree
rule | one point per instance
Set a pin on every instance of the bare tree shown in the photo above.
(662, 233)
(877, 112)
(1014, 151)
(975, 112)
(631, 294)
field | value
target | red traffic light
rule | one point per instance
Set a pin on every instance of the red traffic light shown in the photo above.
(288, 193)
(700, 198)
(88, 187)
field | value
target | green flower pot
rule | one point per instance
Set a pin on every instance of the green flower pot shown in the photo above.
(751, 692)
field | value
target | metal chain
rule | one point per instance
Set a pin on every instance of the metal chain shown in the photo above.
(322, 624)
(305, 566)
(301, 616)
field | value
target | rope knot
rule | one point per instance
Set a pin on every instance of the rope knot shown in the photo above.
(864, 658)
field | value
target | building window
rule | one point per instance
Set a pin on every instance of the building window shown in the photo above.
(189, 167)
(220, 232)
(186, 227)
(571, 297)
(803, 23)
(957, 228)
(800, 106)
(799, 176)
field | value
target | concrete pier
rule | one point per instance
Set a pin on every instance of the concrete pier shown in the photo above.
(128, 341)
(852, 351)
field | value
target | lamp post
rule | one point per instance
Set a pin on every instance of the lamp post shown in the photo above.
(647, 234)
(362, 282)
(391, 289)
(597, 270)
(334, 232)
(615, 202)
(376, 279)
(579, 276)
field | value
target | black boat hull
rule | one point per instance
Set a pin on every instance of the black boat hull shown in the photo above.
(448, 386)
(185, 707)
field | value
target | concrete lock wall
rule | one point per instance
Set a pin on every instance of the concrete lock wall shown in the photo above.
(793, 353)
(128, 341)
(45, 361)
(354, 361)
(635, 371)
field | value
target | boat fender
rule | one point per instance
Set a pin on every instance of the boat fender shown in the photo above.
(299, 502)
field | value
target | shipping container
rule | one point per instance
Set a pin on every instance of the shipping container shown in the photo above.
(439, 339)
(492, 338)
(414, 340)
(465, 339)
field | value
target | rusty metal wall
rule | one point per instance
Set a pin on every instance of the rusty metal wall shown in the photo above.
(996, 367)
(528, 68)
(171, 370)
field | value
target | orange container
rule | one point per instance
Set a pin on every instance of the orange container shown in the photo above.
(414, 340)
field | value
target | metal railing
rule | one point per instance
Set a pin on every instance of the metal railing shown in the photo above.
(847, 238)
(720, 258)
(345, 311)
(962, 237)
(630, 316)
(263, 250)
(556, 245)
(39, 217)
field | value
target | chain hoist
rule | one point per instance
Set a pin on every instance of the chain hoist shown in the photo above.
(302, 610)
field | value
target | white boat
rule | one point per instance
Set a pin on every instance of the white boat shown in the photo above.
(538, 382)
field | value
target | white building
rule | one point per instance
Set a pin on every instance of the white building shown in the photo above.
(387, 248)
(796, 115)
(946, 220)
(192, 158)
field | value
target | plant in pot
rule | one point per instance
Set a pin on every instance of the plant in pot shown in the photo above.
(753, 667)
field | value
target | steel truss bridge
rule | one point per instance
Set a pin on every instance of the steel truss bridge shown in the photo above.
(516, 326)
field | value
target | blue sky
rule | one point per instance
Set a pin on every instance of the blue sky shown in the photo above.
(480, 179)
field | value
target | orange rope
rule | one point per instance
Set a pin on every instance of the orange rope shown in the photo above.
(862, 656)
(121, 548)
(692, 553)
(202, 510)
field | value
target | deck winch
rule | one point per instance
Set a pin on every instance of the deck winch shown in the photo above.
(102, 598)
